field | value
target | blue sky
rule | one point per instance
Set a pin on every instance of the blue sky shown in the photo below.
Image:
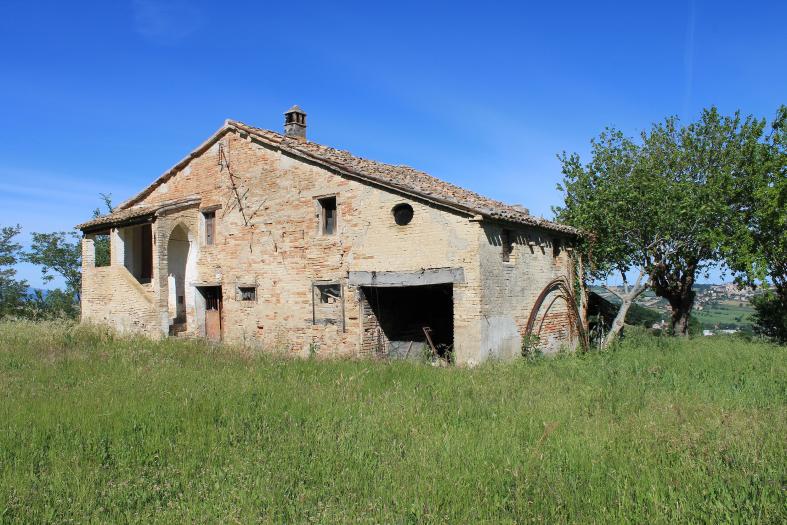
(105, 96)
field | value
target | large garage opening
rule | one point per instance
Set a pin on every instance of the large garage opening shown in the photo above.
(408, 322)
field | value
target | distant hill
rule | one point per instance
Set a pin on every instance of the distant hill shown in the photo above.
(717, 306)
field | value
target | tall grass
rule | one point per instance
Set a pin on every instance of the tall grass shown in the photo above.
(97, 427)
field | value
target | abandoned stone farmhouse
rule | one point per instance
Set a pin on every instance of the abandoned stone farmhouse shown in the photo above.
(269, 239)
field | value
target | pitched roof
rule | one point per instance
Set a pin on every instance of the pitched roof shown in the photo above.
(139, 213)
(118, 216)
(400, 178)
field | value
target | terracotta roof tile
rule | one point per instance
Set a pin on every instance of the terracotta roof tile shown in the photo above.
(137, 211)
(118, 216)
(408, 179)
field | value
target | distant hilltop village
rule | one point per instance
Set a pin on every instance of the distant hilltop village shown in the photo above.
(723, 292)
(706, 294)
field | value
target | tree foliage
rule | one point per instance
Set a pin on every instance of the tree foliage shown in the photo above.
(101, 242)
(770, 316)
(759, 253)
(665, 205)
(598, 200)
(12, 290)
(58, 253)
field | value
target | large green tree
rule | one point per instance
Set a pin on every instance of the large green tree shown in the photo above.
(664, 206)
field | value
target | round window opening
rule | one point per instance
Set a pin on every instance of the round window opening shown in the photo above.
(403, 214)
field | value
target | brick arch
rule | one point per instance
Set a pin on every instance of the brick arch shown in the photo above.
(557, 289)
(189, 235)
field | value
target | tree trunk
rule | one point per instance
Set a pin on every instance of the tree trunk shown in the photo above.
(675, 285)
(628, 297)
(617, 323)
(681, 312)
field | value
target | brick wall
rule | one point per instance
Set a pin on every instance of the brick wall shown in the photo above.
(510, 289)
(110, 294)
(268, 235)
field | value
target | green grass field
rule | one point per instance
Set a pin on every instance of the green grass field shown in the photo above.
(725, 314)
(99, 428)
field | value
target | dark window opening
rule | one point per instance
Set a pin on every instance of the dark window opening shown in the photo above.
(403, 214)
(210, 226)
(247, 293)
(556, 247)
(328, 293)
(328, 215)
(102, 249)
(405, 322)
(327, 304)
(507, 246)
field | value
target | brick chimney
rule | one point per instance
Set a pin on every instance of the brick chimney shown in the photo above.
(295, 123)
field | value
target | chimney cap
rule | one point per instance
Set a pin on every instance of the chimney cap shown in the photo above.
(295, 109)
(295, 123)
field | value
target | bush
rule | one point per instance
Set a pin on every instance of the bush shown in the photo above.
(770, 316)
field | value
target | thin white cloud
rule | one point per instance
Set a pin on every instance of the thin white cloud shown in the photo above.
(16, 182)
(166, 21)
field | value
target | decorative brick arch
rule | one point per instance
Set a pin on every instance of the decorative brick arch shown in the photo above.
(184, 227)
(563, 291)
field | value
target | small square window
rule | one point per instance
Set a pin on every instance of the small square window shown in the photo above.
(247, 293)
(210, 226)
(329, 293)
(328, 215)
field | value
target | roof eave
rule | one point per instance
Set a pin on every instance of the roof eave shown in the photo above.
(93, 227)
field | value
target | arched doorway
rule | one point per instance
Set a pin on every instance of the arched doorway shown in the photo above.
(179, 256)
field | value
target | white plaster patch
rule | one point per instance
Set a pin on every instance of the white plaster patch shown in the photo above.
(500, 338)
